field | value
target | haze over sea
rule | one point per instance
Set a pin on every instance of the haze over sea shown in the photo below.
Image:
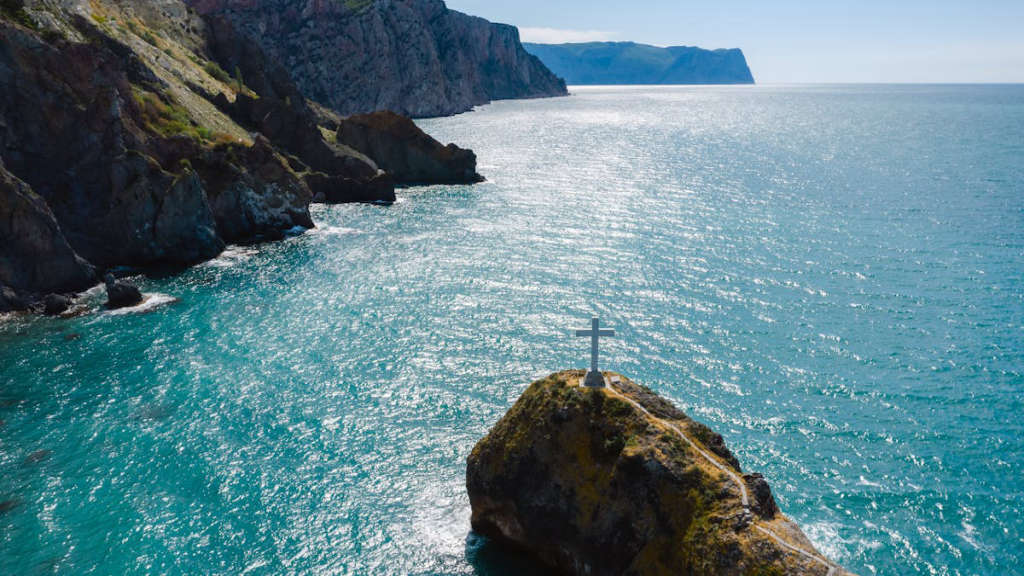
(830, 276)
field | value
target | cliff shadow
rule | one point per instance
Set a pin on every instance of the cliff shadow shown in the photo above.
(489, 558)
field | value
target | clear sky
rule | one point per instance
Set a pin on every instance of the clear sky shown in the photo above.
(799, 41)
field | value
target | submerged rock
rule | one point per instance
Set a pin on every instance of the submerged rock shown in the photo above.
(405, 152)
(38, 457)
(8, 505)
(609, 481)
(121, 294)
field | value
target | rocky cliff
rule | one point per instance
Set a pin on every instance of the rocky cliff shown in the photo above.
(405, 151)
(632, 63)
(125, 141)
(609, 481)
(36, 259)
(415, 57)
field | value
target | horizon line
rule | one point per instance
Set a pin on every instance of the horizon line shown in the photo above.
(814, 83)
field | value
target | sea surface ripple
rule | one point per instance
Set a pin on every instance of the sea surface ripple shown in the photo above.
(830, 276)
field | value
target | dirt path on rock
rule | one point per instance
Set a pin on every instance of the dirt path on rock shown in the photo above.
(744, 498)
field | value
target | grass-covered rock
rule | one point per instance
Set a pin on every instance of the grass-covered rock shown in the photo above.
(589, 483)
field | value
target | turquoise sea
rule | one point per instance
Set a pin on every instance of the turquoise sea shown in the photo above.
(830, 276)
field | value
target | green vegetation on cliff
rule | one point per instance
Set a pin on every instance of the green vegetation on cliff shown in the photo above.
(14, 10)
(124, 120)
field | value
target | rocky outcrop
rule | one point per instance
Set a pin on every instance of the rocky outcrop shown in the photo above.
(35, 258)
(632, 63)
(407, 153)
(71, 126)
(279, 111)
(121, 294)
(334, 189)
(414, 57)
(336, 175)
(132, 139)
(609, 481)
(124, 157)
(252, 191)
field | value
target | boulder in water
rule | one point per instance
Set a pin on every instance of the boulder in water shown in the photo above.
(121, 294)
(56, 304)
(615, 480)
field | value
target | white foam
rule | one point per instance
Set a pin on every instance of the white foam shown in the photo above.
(441, 518)
(970, 535)
(333, 231)
(826, 538)
(862, 481)
(95, 290)
(232, 256)
(149, 302)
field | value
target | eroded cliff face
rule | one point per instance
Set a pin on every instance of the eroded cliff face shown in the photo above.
(105, 121)
(610, 481)
(153, 134)
(405, 151)
(71, 129)
(414, 57)
(36, 259)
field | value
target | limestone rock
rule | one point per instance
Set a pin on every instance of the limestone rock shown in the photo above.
(414, 57)
(263, 198)
(588, 483)
(9, 300)
(407, 153)
(281, 112)
(134, 146)
(339, 189)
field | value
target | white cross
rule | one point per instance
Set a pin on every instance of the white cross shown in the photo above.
(594, 377)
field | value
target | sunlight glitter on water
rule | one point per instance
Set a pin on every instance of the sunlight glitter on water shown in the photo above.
(799, 267)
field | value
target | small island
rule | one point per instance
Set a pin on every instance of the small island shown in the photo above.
(616, 480)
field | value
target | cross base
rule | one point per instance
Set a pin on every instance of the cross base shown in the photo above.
(594, 380)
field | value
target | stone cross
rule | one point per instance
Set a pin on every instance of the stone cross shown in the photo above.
(594, 377)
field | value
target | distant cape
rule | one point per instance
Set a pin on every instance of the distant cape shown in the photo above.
(632, 63)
